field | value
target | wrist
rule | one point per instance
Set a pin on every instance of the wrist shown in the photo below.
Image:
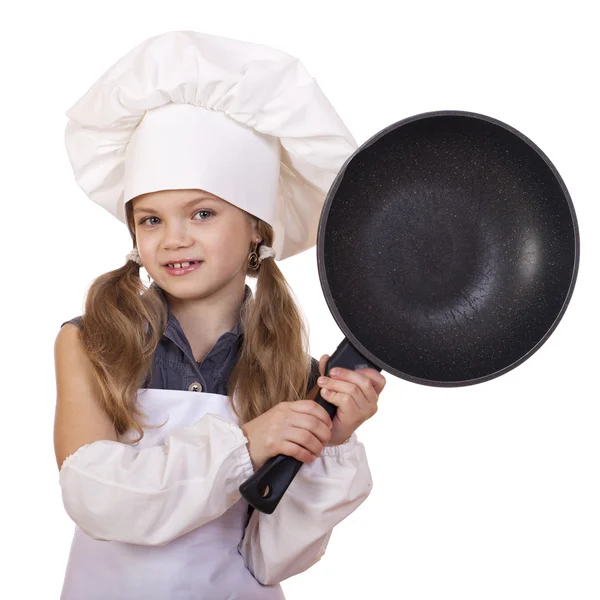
(338, 443)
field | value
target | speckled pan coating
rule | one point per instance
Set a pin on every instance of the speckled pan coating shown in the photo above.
(448, 248)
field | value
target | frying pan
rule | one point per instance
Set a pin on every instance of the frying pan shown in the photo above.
(447, 250)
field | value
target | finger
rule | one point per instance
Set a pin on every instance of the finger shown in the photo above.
(304, 438)
(354, 384)
(310, 407)
(297, 452)
(362, 379)
(323, 363)
(377, 379)
(347, 407)
(314, 425)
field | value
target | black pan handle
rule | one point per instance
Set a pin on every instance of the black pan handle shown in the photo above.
(266, 487)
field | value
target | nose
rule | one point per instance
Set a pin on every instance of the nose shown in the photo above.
(176, 234)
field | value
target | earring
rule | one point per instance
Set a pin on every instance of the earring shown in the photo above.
(253, 262)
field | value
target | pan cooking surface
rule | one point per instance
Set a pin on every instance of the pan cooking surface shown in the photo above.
(449, 250)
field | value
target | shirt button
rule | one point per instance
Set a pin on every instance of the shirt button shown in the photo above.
(195, 387)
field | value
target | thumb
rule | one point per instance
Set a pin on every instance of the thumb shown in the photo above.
(323, 363)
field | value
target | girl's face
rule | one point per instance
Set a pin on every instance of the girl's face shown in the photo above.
(177, 225)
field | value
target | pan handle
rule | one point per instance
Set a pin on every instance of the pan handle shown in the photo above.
(266, 487)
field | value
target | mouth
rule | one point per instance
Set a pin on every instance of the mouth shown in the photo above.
(179, 265)
(184, 268)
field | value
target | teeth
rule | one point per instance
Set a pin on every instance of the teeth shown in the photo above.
(180, 265)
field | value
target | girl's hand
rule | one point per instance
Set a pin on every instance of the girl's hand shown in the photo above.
(300, 429)
(354, 393)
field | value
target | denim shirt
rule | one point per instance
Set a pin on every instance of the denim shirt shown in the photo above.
(175, 368)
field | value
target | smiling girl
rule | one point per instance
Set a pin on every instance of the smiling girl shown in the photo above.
(217, 155)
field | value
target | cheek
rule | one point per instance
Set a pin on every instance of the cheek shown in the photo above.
(231, 254)
(146, 248)
(231, 247)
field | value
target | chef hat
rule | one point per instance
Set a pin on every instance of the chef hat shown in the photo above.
(186, 110)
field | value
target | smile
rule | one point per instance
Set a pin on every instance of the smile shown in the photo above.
(182, 268)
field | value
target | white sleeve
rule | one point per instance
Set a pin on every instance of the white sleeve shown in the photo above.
(116, 492)
(323, 493)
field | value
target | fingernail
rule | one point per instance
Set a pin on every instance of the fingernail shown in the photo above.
(334, 372)
(322, 379)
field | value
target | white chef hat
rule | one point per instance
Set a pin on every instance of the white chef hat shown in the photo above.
(243, 121)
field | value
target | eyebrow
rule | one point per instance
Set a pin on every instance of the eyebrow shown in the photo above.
(138, 209)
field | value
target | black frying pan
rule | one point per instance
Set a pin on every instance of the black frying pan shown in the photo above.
(447, 249)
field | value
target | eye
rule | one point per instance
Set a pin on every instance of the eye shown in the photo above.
(146, 219)
(203, 211)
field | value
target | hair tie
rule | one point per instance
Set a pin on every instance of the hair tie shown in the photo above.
(265, 252)
(134, 255)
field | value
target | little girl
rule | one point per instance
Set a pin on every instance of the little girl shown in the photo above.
(217, 154)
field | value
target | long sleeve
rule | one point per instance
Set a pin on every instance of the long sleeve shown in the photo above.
(295, 536)
(116, 492)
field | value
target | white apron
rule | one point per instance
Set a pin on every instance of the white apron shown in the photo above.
(203, 564)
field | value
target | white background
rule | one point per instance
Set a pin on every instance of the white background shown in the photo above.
(482, 492)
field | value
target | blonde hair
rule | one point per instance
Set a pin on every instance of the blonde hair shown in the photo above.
(124, 320)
